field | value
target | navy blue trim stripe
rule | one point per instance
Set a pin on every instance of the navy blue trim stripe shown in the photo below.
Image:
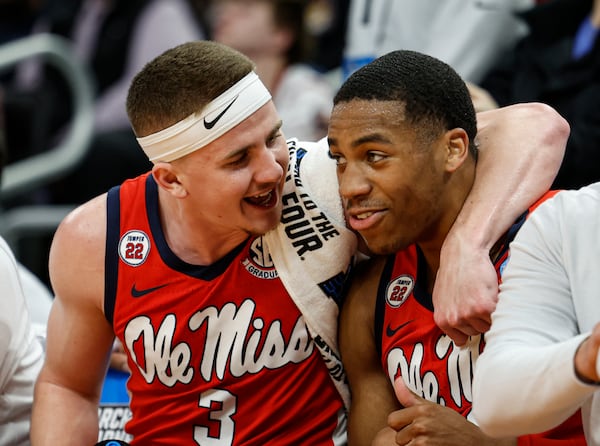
(111, 257)
(508, 238)
(379, 316)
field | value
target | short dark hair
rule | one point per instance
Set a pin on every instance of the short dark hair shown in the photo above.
(433, 93)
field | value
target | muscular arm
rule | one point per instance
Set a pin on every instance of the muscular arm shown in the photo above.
(521, 148)
(79, 337)
(372, 393)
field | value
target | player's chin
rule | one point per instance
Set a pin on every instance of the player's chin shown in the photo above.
(264, 225)
(382, 245)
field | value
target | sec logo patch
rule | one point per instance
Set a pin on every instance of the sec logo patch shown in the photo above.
(134, 247)
(398, 290)
(259, 262)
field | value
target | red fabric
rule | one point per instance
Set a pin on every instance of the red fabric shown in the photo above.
(414, 347)
(218, 352)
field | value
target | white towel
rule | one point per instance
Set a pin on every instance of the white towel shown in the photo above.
(313, 249)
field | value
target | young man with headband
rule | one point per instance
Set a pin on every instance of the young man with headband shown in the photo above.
(221, 270)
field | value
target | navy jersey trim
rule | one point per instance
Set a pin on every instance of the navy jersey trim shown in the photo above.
(386, 276)
(111, 258)
(207, 273)
(500, 250)
(420, 291)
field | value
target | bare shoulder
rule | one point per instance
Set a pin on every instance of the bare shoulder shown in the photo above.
(77, 251)
(84, 227)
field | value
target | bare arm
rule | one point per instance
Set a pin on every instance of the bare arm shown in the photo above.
(372, 393)
(79, 337)
(521, 148)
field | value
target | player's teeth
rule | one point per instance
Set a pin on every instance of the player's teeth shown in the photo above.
(364, 215)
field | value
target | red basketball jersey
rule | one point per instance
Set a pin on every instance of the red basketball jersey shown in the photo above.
(220, 355)
(411, 345)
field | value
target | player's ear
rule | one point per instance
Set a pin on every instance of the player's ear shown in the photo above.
(167, 177)
(457, 148)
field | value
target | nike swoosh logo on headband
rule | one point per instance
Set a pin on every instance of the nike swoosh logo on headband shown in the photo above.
(210, 124)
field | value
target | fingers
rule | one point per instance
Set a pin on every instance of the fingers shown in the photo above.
(460, 328)
(405, 396)
(385, 437)
(118, 361)
(118, 358)
(457, 336)
(400, 422)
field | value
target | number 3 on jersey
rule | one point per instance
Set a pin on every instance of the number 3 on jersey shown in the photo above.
(221, 405)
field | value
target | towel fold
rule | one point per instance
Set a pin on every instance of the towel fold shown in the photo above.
(313, 250)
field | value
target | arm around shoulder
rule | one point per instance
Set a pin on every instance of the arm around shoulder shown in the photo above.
(533, 134)
(520, 151)
(521, 148)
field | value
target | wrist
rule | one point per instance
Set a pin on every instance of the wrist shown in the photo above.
(460, 237)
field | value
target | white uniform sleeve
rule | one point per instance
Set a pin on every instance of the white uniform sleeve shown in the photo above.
(525, 380)
(13, 314)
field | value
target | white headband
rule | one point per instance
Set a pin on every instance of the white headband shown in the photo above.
(198, 130)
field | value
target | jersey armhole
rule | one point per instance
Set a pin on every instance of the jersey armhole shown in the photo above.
(111, 259)
(380, 303)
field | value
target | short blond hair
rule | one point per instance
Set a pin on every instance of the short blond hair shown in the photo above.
(182, 81)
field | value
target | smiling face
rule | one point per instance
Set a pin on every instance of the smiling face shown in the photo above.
(392, 180)
(233, 185)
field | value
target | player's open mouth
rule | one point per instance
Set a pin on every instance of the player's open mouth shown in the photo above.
(265, 200)
(362, 220)
(363, 215)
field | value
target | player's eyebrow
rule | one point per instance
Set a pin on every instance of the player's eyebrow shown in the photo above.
(375, 137)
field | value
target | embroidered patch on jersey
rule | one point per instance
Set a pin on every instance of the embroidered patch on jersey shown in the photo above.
(398, 290)
(259, 262)
(134, 247)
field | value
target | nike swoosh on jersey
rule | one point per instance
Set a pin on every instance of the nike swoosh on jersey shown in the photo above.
(389, 331)
(140, 293)
(210, 124)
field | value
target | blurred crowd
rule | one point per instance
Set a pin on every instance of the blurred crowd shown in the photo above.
(508, 51)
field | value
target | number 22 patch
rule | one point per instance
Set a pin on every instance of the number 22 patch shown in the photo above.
(134, 247)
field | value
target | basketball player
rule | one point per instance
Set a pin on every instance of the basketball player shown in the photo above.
(402, 133)
(221, 270)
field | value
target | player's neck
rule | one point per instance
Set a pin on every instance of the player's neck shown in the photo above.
(190, 241)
